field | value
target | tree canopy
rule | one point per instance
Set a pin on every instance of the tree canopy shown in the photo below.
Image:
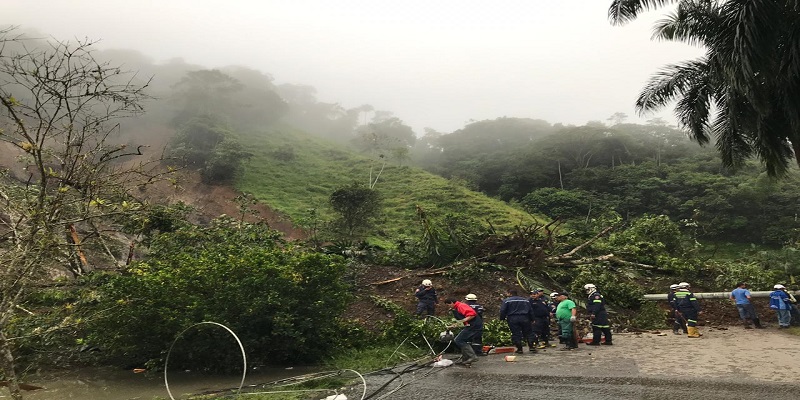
(745, 91)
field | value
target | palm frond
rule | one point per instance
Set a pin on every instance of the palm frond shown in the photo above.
(672, 82)
(773, 149)
(734, 148)
(694, 23)
(693, 110)
(622, 11)
(753, 27)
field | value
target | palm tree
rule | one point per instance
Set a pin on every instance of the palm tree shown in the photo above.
(745, 90)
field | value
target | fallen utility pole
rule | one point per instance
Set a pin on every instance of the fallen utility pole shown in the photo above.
(712, 295)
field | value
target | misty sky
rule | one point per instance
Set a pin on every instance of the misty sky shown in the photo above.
(434, 63)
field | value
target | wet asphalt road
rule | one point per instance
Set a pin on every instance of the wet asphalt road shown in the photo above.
(568, 375)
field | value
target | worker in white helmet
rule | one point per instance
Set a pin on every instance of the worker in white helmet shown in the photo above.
(427, 300)
(688, 307)
(596, 307)
(477, 340)
(779, 301)
(678, 323)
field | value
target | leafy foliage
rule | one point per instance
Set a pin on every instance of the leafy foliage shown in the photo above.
(616, 290)
(205, 144)
(282, 303)
(449, 238)
(358, 207)
(496, 333)
(744, 90)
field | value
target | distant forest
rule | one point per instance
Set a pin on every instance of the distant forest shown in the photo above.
(608, 169)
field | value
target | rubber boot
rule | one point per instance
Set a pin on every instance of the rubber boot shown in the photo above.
(757, 323)
(609, 337)
(477, 348)
(532, 347)
(693, 332)
(519, 347)
(468, 355)
(747, 324)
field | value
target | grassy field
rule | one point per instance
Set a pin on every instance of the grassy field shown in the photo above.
(293, 172)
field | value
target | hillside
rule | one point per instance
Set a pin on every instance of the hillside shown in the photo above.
(293, 172)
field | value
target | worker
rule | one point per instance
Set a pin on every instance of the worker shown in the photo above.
(678, 323)
(779, 301)
(553, 306)
(426, 299)
(541, 319)
(741, 298)
(517, 312)
(567, 314)
(553, 303)
(596, 307)
(473, 326)
(793, 311)
(688, 308)
(477, 341)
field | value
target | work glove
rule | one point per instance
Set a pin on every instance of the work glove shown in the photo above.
(573, 318)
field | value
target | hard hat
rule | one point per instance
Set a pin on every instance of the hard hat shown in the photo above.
(589, 286)
(427, 282)
(674, 286)
(471, 296)
(779, 286)
(684, 285)
(554, 295)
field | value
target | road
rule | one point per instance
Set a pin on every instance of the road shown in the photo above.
(724, 364)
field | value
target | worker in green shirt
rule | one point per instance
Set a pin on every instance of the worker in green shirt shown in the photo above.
(567, 314)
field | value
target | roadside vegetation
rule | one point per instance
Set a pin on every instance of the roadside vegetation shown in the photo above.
(96, 272)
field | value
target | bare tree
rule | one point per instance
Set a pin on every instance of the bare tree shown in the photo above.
(60, 110)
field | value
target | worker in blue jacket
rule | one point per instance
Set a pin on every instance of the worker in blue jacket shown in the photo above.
(477, 340)
(541, 318)
(779, 301)
(596, 307)
(517, 312)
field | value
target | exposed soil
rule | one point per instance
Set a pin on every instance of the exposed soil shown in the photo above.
(211, 201)
(383, 281)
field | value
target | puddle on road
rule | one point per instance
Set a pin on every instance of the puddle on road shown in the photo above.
(110, 384)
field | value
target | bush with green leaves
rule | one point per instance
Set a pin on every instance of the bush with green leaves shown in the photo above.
(617, 289)
(757, 276)
(649, 316)
(450, 237)
(496, 333)
(282, 302)
(472, 271)
(357, 207)
(205, 144)
(647, 239)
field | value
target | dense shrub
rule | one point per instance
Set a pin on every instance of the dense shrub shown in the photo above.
(281, 302)
(618, 290)
(757, 276)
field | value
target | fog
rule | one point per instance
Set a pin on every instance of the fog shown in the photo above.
(433, 64)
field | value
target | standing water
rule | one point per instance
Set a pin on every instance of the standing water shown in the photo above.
(113, 384)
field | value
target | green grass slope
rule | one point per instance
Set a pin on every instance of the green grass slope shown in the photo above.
(293, 185)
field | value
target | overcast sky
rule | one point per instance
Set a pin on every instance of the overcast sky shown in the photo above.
(434, 63)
